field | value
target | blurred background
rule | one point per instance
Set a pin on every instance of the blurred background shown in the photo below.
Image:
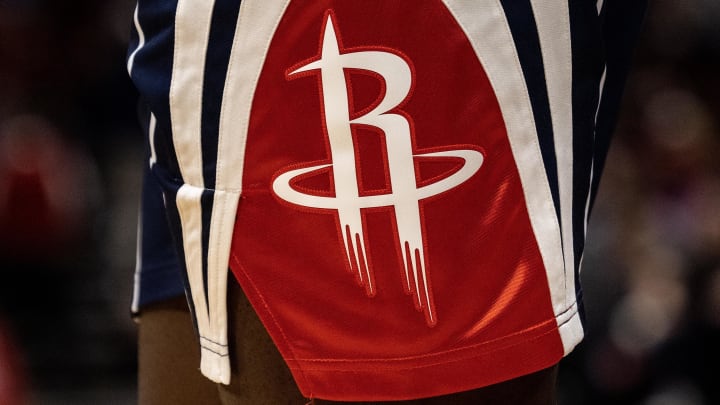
(70, 159)
(651, 272)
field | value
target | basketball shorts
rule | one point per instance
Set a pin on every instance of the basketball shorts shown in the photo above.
(401, 189)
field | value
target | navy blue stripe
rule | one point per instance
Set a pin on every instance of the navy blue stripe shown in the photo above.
(588, 65)
(222, 33)
(220, 40)
(152, 72)
(206, 203)
(587, 68)
(170, 190)
(527, 42)
(160, 272)
(621, 26)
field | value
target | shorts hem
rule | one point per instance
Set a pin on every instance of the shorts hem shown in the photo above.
(438, 374)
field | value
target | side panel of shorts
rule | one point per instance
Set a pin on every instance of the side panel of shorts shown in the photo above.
(158, 274)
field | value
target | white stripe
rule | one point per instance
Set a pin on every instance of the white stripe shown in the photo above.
(192, 29)
(141, 41)
(600, 5)
(592, 162)
(587, 200)
(600, 93)
(188, 204)
(151, 140)
(553, 25)
(221, 230)
(487, 28)
(135, 306)
(214, 361)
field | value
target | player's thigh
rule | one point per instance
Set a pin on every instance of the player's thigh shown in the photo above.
(169, 357)
(259, 373)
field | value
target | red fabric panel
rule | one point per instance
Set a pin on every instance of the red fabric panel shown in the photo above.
(493, 317)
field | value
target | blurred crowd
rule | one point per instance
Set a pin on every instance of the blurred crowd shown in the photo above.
(70, 159)
(70, 152)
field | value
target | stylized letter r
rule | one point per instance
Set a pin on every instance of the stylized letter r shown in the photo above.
(405, 194)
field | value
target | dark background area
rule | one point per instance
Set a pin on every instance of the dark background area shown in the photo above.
(70, 160)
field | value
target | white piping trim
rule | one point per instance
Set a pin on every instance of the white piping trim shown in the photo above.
(592, 162)
(151, 140)
(192, 29)
(135, 306)
(214, 361)
(141, 40)
(188, 204)
(600, 94)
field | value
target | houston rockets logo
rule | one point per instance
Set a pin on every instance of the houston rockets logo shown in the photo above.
(405, 197)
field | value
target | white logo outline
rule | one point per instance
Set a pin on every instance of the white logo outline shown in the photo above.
(405, 195)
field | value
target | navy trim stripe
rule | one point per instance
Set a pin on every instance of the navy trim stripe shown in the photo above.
(588, 66)
(620, 31)
(222, 32)
(206, 203)
(522, 25)
(152, 71)
(170, 190)
(158, 274)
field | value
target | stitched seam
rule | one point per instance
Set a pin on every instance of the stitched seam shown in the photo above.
(228, 84)
(414, 367)
(466, 348)
(568, 309)
(213, 342)
(214, 352)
